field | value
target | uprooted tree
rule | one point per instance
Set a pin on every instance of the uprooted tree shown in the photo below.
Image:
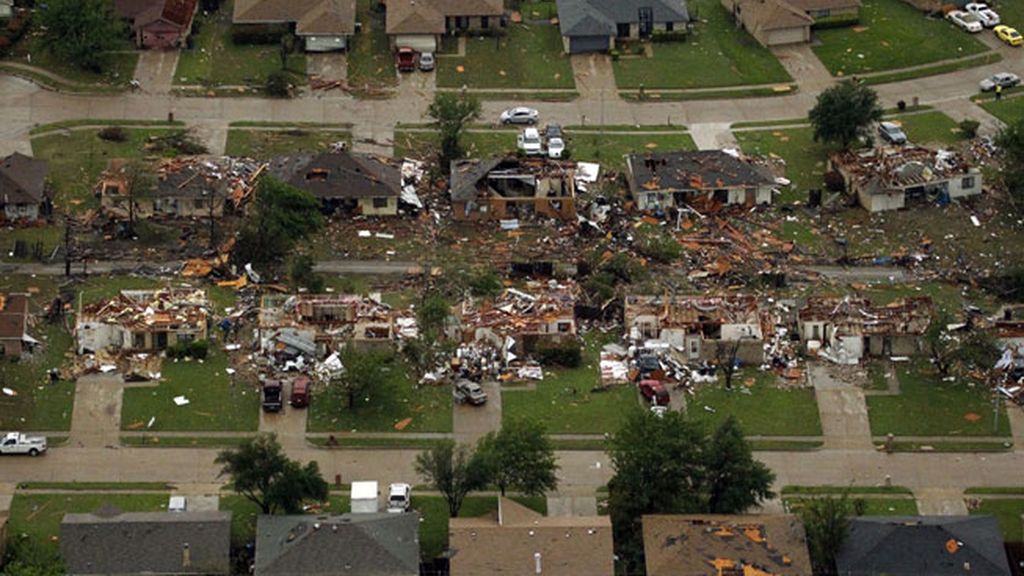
(844, 113)
(260, 471)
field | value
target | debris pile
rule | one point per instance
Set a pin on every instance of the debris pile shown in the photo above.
(143, 320)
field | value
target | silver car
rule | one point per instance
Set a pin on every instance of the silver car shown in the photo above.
(427, 61)
(520, 115)
(891, 132)
(1004, 79)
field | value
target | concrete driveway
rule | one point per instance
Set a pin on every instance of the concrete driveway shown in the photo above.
(470, 423)
(843, 411)
(289, 424)
(96, 418)
(155, 70)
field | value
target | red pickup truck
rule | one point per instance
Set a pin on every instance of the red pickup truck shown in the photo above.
(406, 60)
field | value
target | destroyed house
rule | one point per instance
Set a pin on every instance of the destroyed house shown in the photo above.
(312, 325)
(344, 181)
(14, 338)
(179, 188)
(660, 180)
(24, 193)
(892, 178)
(518, 540)
(847, 329)
(699, 324)
(1008, 325)
(143, 320)
(725, 545)
(518, 321)
(513, 188)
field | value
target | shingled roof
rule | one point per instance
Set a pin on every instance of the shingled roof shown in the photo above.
(428, 16)
(599, 17)
(311, 17)
(694, 170)
(22, 179)
(340, 174)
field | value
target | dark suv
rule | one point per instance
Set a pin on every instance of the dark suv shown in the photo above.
(272, 396)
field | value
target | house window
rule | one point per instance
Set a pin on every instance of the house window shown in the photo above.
(564, 326)
(138, 340)
(485, 22)
(670, 26)
(622, 30)
(185, 338)
(821, 13)
(967, 182)
(200, 203)
(380, 202)
(815, 333)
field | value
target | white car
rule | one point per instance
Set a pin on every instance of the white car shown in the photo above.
(529, 142)
(988, 16)
(520, 115)
(399, 498)
(965, 21)
(1004, 79)
(17, 443)
(556, 147)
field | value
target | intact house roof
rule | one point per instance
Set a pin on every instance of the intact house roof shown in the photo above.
(771, 15)
(814, 5)
(509, 177)
(22, 179)
(712, 545)
(147, 543)
(600, 17)
(858, 316)
(701, 170)
(429, 16)
(341, 174)
(312, 17)
(367, 544)
(13, 316)
(933, 545)
(517, 539)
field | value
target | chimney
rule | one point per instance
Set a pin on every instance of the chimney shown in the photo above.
(536, 563)
(186, 556)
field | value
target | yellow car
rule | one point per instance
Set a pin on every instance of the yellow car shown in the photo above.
(1009, 35)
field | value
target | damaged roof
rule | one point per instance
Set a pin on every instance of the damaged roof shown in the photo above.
(326, 310)
(884, 168)
(13, 316)
(519, 312)
(700, 170)
(339, 174)
(600, 17)
(166, 308)
(853, 315)
(683, 310)
(468, 177)
(22, 179)
(713, 545)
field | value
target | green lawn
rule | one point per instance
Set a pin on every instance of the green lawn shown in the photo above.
(1008, 512)
(215, 60)
(927, 406)
(765, 411)
(434, 517)
(370, 61)
(571, 401)
(429, 407)
(119, 69)
(39, 515)
(805, 158)
(929, 128)
(873, 506)
(48, 237)
(265, 144)
(892, 35)
(39, 405)
(718, 54)
(77, 158)
(1009, 110)
(525, 57)
(217, 401)
(243, 517)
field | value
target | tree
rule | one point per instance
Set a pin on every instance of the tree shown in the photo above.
(432, 314)
(364, 371)
(826, 522)
(28, 557)
(300, 271)
(941, 346)
(520, 457)
(844, 113)
(1010, 146)
(453, 470)
(725, 354)
(278, 85)
(288, 43)
(451, 114)
(138, 184)
(261, 472)
(80, 31)
(280, 216)
(734, 480)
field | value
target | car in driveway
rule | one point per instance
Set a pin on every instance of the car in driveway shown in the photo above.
(530, 143)
(1004, 79)
(469, 392)
(986, 15)
(406, 59)
(965, 21)
(273, 396)
(892, 132)
(654, 392)
(553, 131)
(556, 148)
(399, 498)
(427, 61)
(1008, 35)
(520, 115)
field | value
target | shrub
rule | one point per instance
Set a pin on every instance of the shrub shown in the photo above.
(258, 33)
(615, 54)
(197, 349)
(566, 353)
(969, 128)
(278, 85)
(663, 36)
(113, 134)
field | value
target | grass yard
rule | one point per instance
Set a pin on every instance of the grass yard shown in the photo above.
(77, 157)
(892, 35)
(243, 517)
(927, 406)
(120, 65)
(761, 408)
(929, 128)
(1009, 110)
(38, 405)
(805, 158)
(46, 237)
(570, 400)
(434, 517)
(216, 400)
(371, 65)
(717, 55)
(873, 506)
(215, 60)
(265, 144)
(1008, 512)
(39, 515)
(429, 408)
(526, 57)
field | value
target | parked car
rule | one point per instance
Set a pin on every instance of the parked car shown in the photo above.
(648, 363)
(469, 392)
(520, 115)
(553, 131)
(406, 59)
(1008, 35)
(1004, 79)
(988, 16)
(427, 61)
(556, 147)
(529, 142)
(399, 498)
(18, 443)
(892, 133)
(272, 396)
(654, 392)
(300, 392)
(965, 21)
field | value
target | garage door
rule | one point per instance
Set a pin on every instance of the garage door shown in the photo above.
(783, 36)
(418, 42)
(580, 44)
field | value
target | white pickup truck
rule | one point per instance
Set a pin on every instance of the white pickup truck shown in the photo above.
(16, 443)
